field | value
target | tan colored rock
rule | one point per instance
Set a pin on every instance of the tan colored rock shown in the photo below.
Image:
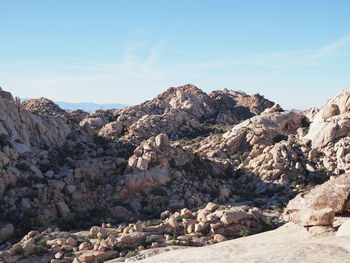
(142, 164)
(219, 238)
(344, 229)
(287, 244)
(162, 140)
(111, 129)
(131, 239)
(85, 246)
(310, 217)
(138, 226)
(259, 130)
(72, 242)
(211, 207)
(331, 122)
(331, 111)
(234, 216)
(333, 194)
(173, 222)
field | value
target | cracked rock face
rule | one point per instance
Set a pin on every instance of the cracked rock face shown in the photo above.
(332, 121)
(333, 194)
(318, 206)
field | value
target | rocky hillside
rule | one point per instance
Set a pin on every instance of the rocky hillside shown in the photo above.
(186, 168)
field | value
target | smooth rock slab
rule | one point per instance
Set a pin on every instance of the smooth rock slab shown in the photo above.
(344, 229)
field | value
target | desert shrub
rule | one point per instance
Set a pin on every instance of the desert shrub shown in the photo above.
(305, 130)
(69, 254)
(278, 138)
(267, 167)
(245, 231)
(188, 242)
(101, 141)
(5, 140)
(158, 190)
(131, 254)
(118, 248)
(42, 249)
(17, 250)
(23, 167)
(81, 239)
(149, 240)
(155, 222)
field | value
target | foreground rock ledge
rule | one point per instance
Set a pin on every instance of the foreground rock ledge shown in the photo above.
(288, 244)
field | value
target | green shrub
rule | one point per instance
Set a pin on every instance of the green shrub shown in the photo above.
(245, 231)
(17, 250)
(41, 250)
(5, 140)
(154, 222)
(267, 167)
(118, 248)
(305, 130)
(131, 254)
(188, 242)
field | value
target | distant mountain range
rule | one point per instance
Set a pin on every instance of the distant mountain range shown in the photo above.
(88, 106)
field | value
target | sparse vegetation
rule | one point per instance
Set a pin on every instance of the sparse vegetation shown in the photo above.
(131, 254)
(17, 250)
(245, 231)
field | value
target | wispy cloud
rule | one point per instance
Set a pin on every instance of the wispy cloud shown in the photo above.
(277, 60)
(148, 69)
(330, 49)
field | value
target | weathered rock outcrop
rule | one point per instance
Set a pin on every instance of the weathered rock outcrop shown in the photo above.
(235, 106)
(287, 244)
(43, 107)
(153, 164)
(260, 131)
(332, 121)
(212, 224)
(25, 130)
(179, 111)
(318, 206)
(182, 150)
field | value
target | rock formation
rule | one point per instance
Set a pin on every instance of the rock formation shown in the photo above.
(186, 168)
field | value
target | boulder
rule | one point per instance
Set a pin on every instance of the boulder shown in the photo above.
(63, 209)
(331, 122)
(311, 217)
(332, 194)
(234, 216)
(6, 232)
(331, 111)
(111, 129)
(162, 140)
(119, 213)
(132, 239)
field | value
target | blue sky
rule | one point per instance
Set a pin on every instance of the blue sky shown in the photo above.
(296, 53)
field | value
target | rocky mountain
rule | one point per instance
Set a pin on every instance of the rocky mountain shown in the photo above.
(184, 169)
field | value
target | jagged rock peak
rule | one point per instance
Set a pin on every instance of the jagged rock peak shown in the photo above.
(43, 107)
